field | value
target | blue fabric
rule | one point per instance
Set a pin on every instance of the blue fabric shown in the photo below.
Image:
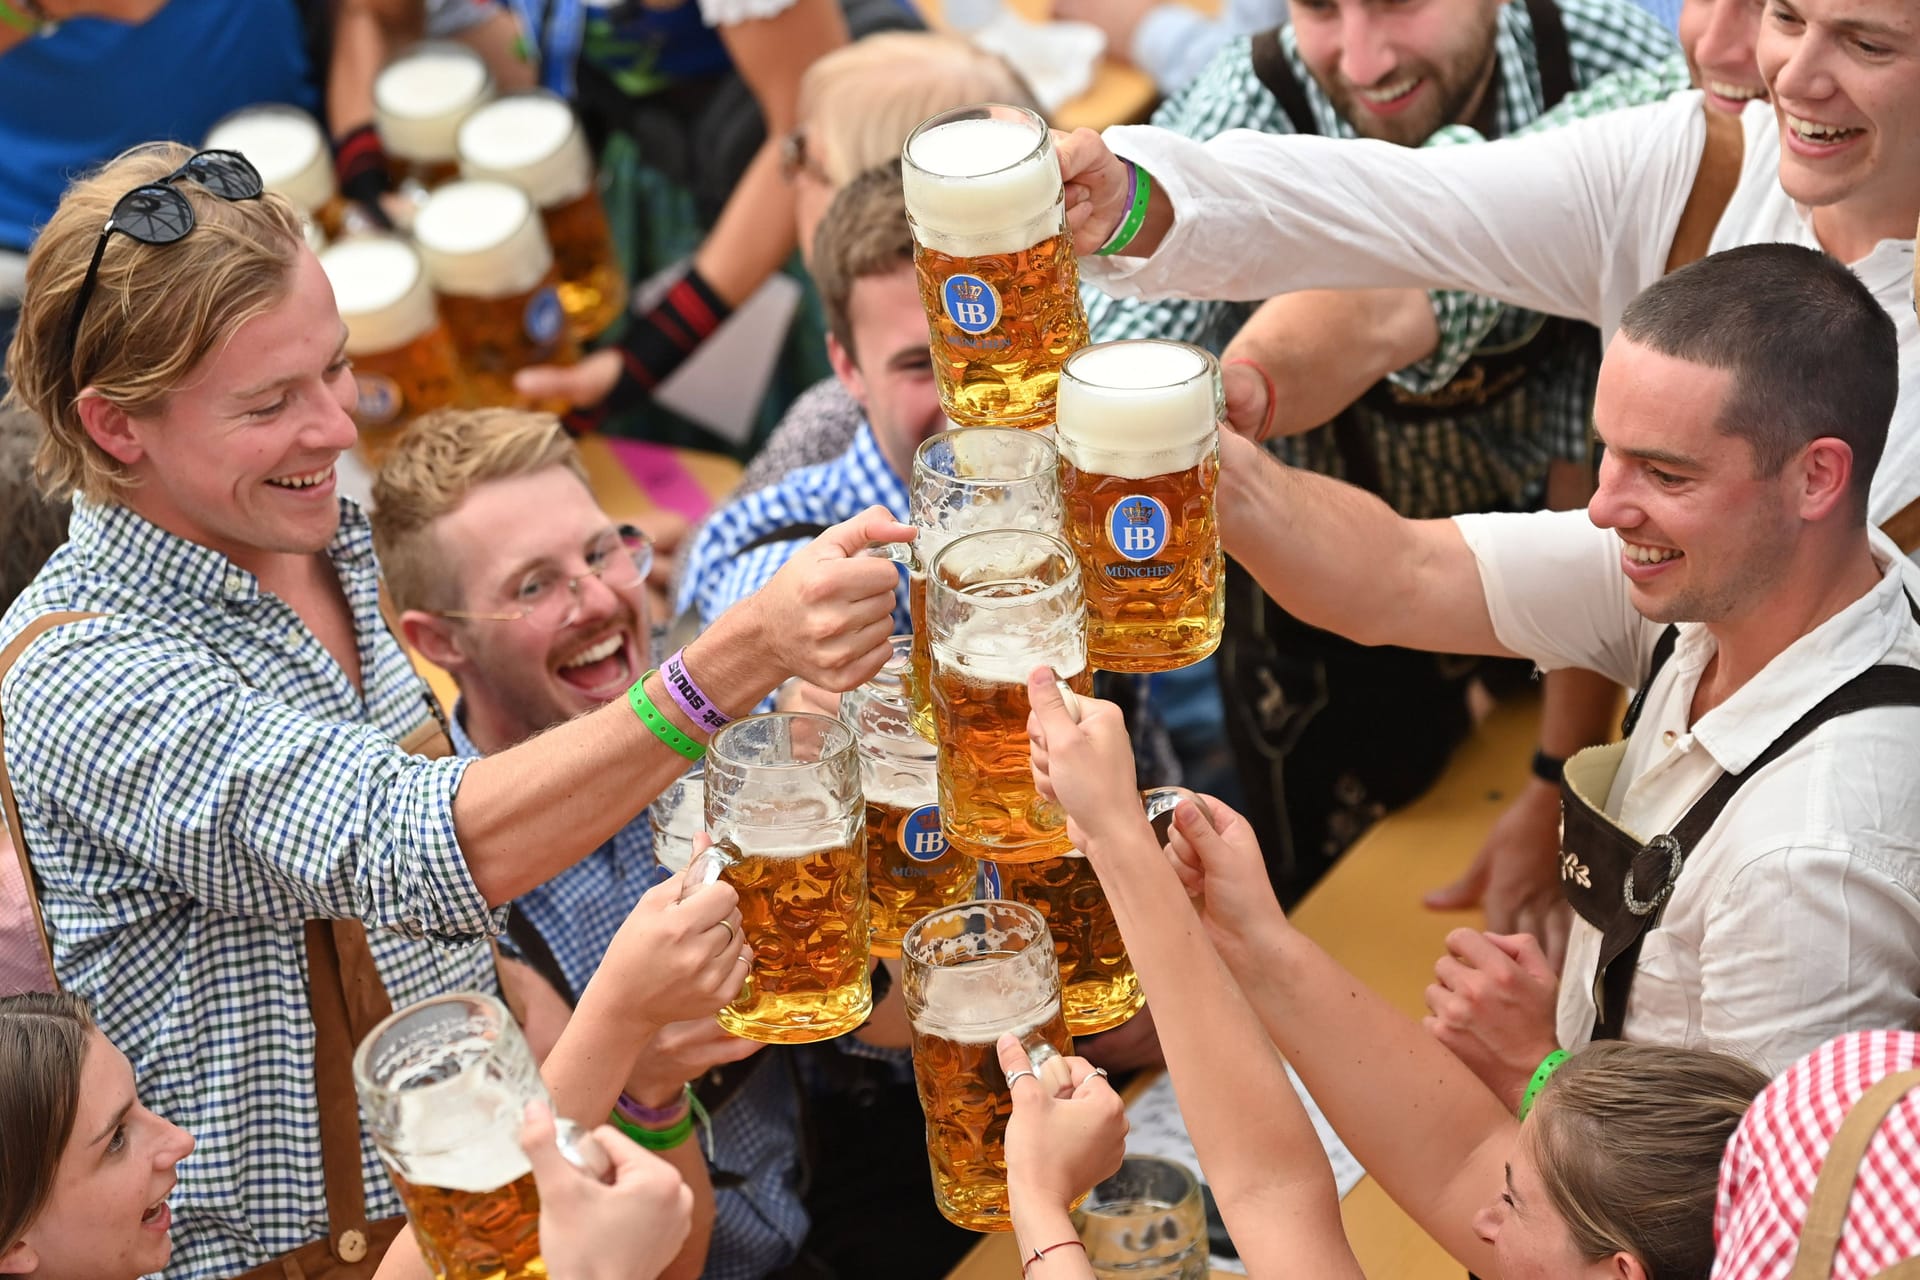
(74, 99)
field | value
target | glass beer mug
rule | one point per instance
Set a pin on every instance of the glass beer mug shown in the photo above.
(1139, 440)
(419, 100)
(996, 268)
(403, 358)
(443, 1084)
(533, 141)
(789, 829)
(487, 256)
(971, 973)
(999, 604)
(968, 481)
(1098, 988)
(911, 869)
(677, 816)
(287, 147)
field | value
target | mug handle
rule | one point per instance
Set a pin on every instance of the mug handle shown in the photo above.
(705, 867)
(582, 1150)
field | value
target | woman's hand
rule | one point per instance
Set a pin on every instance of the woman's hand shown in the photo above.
(1218, 860)
(1083, 761)
(1068, 1130)
(629, 1229)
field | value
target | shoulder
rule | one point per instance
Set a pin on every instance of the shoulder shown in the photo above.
(1604, 36)
(1228, 94)
(816, 428)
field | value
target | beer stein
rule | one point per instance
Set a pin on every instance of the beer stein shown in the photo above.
(677, 816)
(999, 604)
(419, 100)
(1146, 1222)
(964, 482)
(789, 830)
(910, 868)
(403, 358)
(488, 259)
(533, 141)
(995, 264)
(970, 974)
(288, 148)
(1098, 987)
(1139, 439)
(443, 1084)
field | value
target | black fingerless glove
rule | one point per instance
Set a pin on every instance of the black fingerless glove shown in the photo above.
(360, 169)
(656, 343)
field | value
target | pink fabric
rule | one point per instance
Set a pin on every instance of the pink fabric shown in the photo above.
(1768, 1174)
(23, 965)
(663, 478)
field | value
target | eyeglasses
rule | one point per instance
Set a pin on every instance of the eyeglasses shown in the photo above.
(795, 159)
(157, 214)
(620, 558)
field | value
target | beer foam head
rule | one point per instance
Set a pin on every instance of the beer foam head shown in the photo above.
(1005, 601)
(462, 1134)
(381, 291)
(420, 98)
(529, 140)
(982, 180)
(285, 144)
(978, 478)
(967, 1018)
(898, 788)
(482, 240)
(1138, 408)
(992, 653)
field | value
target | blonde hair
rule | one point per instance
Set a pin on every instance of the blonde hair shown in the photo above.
(1628, 1138)
(437, 461)
(861, 101)
(155, 314)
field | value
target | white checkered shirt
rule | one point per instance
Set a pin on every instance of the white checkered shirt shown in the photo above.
(197, 777)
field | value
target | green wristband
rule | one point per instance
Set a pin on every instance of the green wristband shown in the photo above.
(1142, 187)
(655, 1139)
(1541, 1074)
(651, 716)
(22, 22)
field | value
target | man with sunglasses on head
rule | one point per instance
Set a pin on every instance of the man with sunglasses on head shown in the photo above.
(204, 763)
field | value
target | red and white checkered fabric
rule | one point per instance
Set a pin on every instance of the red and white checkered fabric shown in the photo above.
(1768, 1174)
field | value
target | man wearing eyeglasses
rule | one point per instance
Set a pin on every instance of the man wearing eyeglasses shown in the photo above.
(206, 760)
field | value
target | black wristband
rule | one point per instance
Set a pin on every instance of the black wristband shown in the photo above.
(656, 343)
(360, 168)
(1548, 768)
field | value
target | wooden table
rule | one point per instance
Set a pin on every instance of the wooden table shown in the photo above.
(1367, 913)
(1120, 93)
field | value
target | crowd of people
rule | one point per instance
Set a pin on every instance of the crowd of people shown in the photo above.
(1553, 339)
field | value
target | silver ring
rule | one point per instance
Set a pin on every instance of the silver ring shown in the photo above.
(1023, 1071)
(1101, 1072)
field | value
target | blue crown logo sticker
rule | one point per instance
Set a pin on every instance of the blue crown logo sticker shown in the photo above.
(1137, 526)
(921, 836)
(970, 303)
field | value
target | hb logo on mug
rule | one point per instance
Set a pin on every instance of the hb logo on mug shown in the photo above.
(921, 836)
(1138, 526)
(971, 303)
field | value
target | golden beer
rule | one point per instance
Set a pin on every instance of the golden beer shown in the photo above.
(403, 358)
(963, 482)
(911, 869)
(1098, 987)
(288, 148)
(999, 604)
(783, 806)
(487, 257)
(443, 1084)
(419, 100)
(972, 973)
(532, 141)
(996, 267)
(1139, 464)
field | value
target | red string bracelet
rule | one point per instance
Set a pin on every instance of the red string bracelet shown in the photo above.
(1039, 1255)
(1273, 395)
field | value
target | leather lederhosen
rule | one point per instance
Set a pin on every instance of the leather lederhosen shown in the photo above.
(346, 999)
(1618, 881)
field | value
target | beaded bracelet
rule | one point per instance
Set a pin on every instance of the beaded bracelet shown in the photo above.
(1139, 194)
(1541, 1074)
(689, 697)
(661, 727)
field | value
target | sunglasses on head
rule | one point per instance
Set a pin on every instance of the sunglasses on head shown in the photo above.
(156, 213)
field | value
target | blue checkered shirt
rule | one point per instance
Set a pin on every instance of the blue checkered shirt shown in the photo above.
(1496, 456)
(758, 1225)
(717, 575)
(196, 778)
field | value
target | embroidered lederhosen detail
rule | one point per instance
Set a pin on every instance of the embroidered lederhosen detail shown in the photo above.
(1618, 882)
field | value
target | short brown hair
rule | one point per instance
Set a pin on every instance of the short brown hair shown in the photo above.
(864, 233)
(437, 461)
(32, 525)
(1628, 1140)
(43, 1046)
(156, 310)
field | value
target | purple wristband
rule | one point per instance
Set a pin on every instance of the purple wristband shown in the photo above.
(652, 1117)
(687, 696)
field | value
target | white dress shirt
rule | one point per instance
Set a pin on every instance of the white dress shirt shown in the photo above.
(1573, 222)
(1797, 916)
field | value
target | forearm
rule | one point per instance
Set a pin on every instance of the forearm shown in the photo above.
(1577, 709)
(1412, 1113)
(754, 235)
(359, 48)
(690, 1160)
(1038, 1224)
(1325, 348)
(526, 814)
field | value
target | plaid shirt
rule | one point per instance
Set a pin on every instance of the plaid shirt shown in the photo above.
(1467, 320)
(717, 575)
(1768, 1173)
(197, 777)
(1495, 457)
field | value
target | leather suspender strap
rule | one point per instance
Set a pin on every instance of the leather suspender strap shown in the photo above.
(1551, 51)
(1713, 183)
(10, 655)
(1270, 65)
(347, 1000)
(1662, 650)
(1826, 1216)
